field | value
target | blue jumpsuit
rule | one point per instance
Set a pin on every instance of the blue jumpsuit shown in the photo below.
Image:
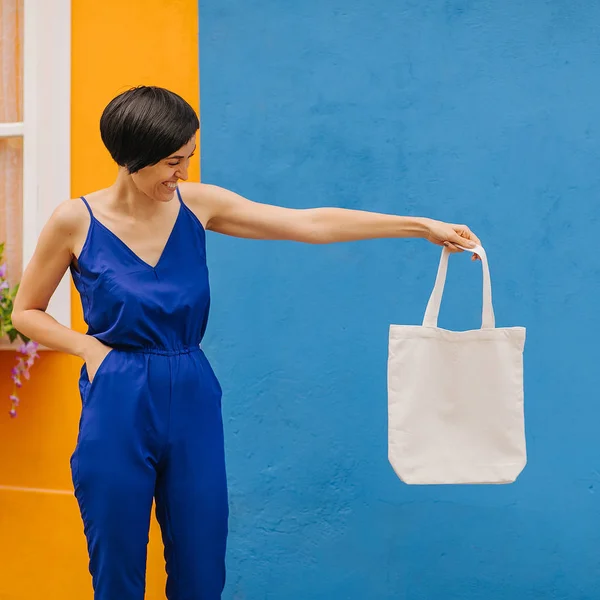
(151, 425)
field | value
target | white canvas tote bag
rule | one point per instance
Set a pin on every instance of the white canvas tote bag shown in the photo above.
(455, 398)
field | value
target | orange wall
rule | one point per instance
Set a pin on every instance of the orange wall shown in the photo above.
(115, 45)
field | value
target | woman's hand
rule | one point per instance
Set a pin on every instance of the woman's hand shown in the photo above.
(451, 236)
(95, 354)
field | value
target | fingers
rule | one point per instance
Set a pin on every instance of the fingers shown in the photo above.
(452, 248)
(466, 232)
(468, 239)
(459, 240)
(459, 237)
(463, 237)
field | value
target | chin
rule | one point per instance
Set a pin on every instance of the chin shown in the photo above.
(166, 195)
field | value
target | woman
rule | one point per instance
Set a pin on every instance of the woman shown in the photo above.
(151, 418)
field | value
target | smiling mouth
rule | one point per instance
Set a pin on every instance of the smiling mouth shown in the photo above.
(170, 186)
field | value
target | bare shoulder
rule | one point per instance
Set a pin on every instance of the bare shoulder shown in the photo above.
(69, 222)
(70, 214)
(206, 200)
(52, 255)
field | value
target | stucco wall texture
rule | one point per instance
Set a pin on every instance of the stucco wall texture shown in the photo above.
(478, 112)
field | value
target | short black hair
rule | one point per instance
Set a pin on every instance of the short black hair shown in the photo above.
(145, 124)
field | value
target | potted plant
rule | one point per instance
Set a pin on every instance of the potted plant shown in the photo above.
(27, 350)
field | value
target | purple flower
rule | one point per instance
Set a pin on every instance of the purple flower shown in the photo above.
(22, 370)
(4, 285)
(3, 271)
(29, 349)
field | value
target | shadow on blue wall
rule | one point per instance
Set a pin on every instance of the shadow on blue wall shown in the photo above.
(486, 113)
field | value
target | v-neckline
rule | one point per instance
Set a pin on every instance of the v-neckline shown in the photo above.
(136, 256)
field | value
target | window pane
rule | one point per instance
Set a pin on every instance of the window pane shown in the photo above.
(11, 205)
(11, 60)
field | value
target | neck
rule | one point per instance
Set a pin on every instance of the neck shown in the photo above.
(129, 199)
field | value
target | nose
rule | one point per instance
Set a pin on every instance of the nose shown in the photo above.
(182, 172)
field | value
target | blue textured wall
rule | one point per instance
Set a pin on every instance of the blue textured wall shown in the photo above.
(484, 112)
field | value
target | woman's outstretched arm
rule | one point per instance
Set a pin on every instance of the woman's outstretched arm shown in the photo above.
(224, 211)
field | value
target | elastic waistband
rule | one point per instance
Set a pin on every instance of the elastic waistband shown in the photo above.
(162, 351)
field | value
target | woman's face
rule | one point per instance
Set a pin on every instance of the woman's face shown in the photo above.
(160, 180)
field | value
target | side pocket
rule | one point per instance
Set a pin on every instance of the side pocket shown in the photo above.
(101, 368)
(212, 377)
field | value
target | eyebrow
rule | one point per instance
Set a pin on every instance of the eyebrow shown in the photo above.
(181, 156)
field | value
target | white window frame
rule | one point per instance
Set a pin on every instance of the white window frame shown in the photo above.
(46, 130)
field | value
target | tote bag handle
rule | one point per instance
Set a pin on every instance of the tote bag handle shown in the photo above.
(432, 311)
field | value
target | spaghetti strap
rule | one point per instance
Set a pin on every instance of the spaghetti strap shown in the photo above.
(88, 207)
(192, 214)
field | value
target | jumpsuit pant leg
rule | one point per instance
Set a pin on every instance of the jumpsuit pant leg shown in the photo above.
(114, 478)
(191, 488)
